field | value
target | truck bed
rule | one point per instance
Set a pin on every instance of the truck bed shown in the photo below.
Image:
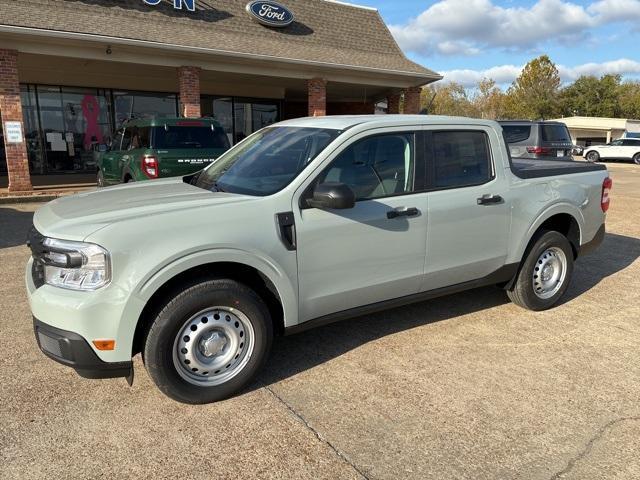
(532, 168)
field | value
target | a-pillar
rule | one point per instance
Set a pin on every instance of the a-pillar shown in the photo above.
(317, 90)
(412, 100)
(189, 83)
(11, 111)
(393, 103)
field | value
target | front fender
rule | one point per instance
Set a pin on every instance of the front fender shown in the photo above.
(152, 282)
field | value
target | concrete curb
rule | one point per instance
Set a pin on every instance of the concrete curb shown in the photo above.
(35, 197)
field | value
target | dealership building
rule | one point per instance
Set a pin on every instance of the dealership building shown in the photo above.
(587, 131)
(73, 71)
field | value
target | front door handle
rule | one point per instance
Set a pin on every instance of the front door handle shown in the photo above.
(489, 199)
(407, 212)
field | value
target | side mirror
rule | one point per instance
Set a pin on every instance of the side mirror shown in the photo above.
(332, 195)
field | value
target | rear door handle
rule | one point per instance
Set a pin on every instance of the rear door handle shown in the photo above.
(489, 199)
(407, 212)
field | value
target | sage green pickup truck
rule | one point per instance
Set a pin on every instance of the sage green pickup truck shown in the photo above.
(160, 147)
(303, 223)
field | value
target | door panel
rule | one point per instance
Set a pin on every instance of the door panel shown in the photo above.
(469, 213)
(349, 258)
(374, 251)
(466, 241)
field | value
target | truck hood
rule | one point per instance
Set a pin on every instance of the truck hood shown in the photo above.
(77, 216)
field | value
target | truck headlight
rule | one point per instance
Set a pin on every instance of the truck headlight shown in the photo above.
(75, 265)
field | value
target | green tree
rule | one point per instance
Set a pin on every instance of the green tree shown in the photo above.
(448, 99)
(629, 98)
(592, 96)
(536, 91)
(489, 100)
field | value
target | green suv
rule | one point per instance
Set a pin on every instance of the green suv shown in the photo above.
(160, 147)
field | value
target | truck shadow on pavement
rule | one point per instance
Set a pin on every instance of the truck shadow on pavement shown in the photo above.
(14, 226)
(303, 351)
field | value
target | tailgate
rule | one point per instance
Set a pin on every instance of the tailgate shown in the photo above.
(183, 162)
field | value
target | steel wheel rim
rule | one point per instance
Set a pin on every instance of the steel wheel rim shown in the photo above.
(213, 346)
(549, 272)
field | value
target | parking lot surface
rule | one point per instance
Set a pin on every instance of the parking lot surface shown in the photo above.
(465, 386)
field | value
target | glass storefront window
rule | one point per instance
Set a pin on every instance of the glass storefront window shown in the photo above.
(32, 129)
(73, 121)
(130, 105)
(64, 126)
(240, 117)
(252, 116)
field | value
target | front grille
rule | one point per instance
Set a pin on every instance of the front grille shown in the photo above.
(35, 241)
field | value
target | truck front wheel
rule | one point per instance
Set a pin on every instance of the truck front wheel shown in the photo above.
(208, 342)
(545, 272)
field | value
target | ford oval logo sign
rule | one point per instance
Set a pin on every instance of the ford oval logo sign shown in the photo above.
(271, 14)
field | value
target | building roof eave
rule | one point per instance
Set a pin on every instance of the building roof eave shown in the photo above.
(412, 78)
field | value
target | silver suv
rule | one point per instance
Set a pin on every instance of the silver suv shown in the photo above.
(540, 140)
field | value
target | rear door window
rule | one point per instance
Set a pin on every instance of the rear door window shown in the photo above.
(516, 133)
(190, 137)
(555, 133)
(460, 158)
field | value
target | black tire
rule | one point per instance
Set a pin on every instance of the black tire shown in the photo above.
(100, 179)
(162, 337)
(127, 179)
(592, 157)
(636, 159)
(523, 292)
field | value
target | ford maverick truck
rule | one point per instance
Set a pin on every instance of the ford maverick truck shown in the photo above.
(303, 223)
(146, 149)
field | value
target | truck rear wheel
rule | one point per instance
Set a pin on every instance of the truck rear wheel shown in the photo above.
(208, 342)
(545, 272)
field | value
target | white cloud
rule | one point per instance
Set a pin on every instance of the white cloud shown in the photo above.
(505, 74)
(468, 26)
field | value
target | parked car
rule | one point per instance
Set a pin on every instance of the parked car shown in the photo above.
(621, 149)
(160, 147)
(541, 140)
(303, 223)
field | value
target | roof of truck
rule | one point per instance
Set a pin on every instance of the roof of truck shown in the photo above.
(343, 122)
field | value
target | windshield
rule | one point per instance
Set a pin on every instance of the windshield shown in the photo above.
(196, 135)
(267, 161)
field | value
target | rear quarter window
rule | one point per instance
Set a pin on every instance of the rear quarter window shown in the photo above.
(516, 133)
(555, 133)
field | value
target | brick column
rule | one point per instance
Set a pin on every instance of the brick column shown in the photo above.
(393, 103)
(189, 82)
(317, 89)
(11, 111)
(412, 100)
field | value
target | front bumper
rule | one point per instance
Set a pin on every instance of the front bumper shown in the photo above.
(74, 351)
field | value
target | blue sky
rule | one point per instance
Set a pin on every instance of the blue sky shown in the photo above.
(467, 40)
